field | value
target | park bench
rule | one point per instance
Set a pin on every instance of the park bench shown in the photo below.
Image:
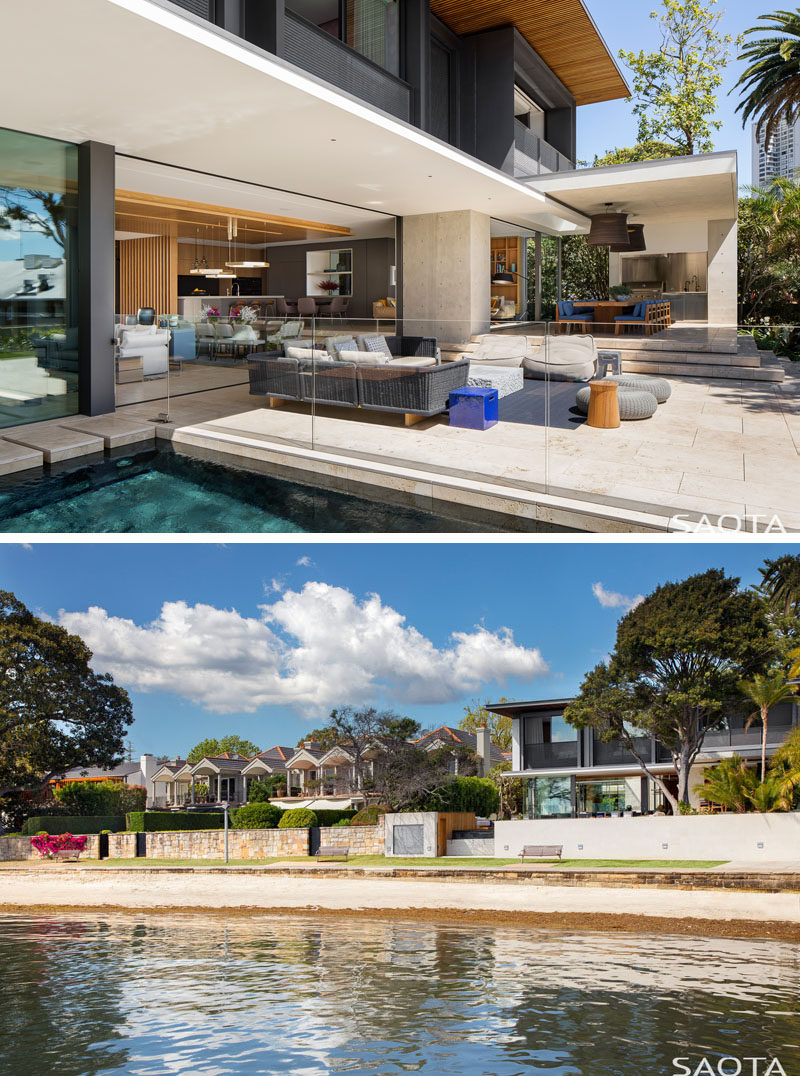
(67, 853)
(541, 851)
(330, 851)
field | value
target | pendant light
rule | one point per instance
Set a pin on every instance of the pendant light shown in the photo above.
(609, 230)
(246, 263)
(196, 269)
(635, 241)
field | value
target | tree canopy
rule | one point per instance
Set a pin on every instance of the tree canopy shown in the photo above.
(230, 745)
(675, 671)
(674, 88)
(652, 150)
(771, 81)
(56, 712)
(499, 725)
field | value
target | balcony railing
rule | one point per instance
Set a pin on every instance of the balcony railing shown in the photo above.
(323, 55)
(533, 155)
(616, 753)
(777, 730)
(545, 756)
(203, 8)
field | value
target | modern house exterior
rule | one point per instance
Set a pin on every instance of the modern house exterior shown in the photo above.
(378, 145)
(571, 773)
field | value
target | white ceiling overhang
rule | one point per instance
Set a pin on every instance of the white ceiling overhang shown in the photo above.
(703, 187)
(169, 88)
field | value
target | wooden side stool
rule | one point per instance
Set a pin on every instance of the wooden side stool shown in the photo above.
(603, 405)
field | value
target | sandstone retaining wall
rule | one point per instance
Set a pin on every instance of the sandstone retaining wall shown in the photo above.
(361, 840)
(21, 848)
(122, 846)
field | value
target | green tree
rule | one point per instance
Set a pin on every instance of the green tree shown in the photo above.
(265, 788)
(768, 261)
(785, 771)
(643, 151)
(56, 712)
(230, 745)
(674, 671)
(326, 737)
(780, 584)
(584, 269)
(771, 81)
(765, 691)
(477, 794)
(100, 797)
(499, 725)
(730, 784)
(674, 87)
(510, 790)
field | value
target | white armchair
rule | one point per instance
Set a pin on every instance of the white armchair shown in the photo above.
(149, 341)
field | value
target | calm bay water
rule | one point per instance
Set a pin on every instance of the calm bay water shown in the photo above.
(194, 994)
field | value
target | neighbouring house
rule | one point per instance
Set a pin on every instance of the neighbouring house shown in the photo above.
(140, 774)
(571, 773)
(480, 742)
(416, 148)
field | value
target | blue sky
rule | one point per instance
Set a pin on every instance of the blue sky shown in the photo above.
(626, 25)
(214, 661)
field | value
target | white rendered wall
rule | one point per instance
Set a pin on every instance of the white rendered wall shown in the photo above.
(728, 837)
(722, 274)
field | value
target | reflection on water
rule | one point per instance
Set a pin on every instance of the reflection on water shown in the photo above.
(194, 994)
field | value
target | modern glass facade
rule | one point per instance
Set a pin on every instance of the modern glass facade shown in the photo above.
(38, 278)
(549, 797)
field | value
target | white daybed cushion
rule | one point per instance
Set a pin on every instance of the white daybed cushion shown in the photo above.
(412, 360)
(306, 353)
(364, 358)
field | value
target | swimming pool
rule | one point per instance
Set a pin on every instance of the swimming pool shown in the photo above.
(162, 491)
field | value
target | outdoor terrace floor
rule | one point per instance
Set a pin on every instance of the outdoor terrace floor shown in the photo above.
(717, 447)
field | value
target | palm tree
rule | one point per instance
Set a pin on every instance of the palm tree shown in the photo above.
(766, 692)
(771, 80)
(730, 784)
(786, 770)
(780, 580)
(766, 796)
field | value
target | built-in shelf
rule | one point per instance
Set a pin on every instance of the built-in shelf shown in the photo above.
(334, 265)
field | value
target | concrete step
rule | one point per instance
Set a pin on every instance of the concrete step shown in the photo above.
(765, 372)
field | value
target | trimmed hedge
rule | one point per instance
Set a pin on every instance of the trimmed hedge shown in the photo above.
(163, 821)
(334, 817)
(257, 816)
(297, 818)
(57, 824)
(368, 816)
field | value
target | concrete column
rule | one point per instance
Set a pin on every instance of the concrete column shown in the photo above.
(614, 269)
(722, 279)
(446, 275)
(192, 789)
(219, 787)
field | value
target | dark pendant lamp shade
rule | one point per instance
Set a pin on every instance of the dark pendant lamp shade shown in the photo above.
(635, 240)
(609, 230)
(502, 278)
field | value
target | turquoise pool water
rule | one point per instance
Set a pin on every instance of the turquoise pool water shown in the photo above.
(192, 994)
(161, 491)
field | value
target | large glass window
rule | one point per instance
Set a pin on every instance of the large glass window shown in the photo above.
(371, 27)
(38, 278)
(606, 797)
(549, 797)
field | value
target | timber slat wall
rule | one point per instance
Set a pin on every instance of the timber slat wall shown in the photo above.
(148, 274)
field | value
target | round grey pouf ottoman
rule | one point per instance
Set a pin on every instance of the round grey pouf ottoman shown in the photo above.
(633, 403)
(657, 385)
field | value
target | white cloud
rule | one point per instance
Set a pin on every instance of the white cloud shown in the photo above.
(309, 649)
(612, 599)
(304, 562)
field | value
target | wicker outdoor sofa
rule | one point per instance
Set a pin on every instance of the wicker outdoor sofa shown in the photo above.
(415, 391)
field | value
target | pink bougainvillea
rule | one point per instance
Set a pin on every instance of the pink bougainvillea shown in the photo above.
(47, 845)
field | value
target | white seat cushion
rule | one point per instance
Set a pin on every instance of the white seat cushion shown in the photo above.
(364, 358)
(412, 360)
(305, 353)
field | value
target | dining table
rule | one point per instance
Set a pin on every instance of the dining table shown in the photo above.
(605, 310)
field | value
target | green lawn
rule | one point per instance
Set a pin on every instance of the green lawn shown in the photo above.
(413, 861)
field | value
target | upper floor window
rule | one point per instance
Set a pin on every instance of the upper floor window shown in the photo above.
(370, 27)
(528, 113)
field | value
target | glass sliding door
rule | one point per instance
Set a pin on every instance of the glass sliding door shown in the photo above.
(38, 278)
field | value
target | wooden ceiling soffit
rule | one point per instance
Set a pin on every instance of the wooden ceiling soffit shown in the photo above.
(154, 206)
(562, 34)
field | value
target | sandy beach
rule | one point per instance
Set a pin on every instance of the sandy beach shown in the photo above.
(728, 912)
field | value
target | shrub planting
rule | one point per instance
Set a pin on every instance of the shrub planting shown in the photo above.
(257, 816)
(477, 794)
(72, 824)
(298, 818)
(265, 788)
(100, 797)
(162, 821)
(368, 816)
(333, 818)
(48, 846)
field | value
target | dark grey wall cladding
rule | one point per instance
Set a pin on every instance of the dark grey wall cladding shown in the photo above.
(371, 261)
(203, 8)
(322, 55)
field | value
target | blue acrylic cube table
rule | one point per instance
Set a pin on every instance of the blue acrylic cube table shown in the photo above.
(473, 408)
